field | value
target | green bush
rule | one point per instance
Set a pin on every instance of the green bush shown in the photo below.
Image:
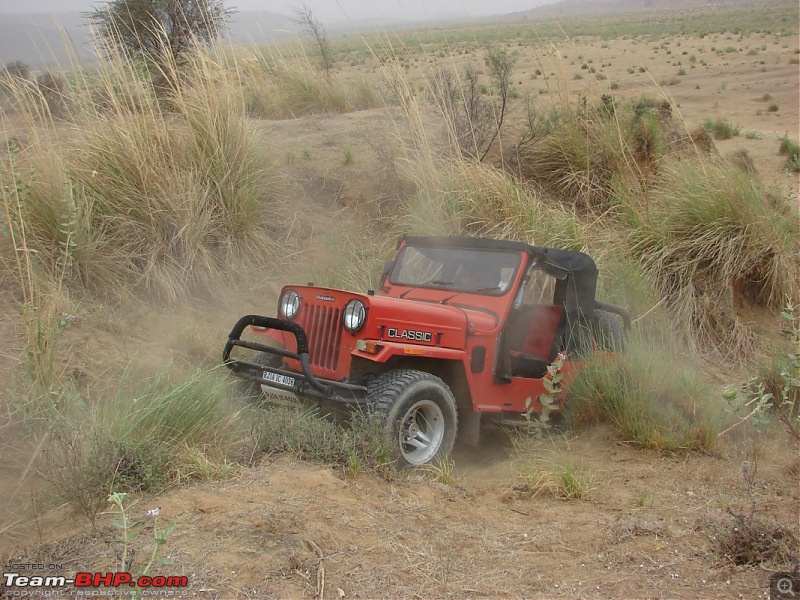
(710, 236)
(140, 436)
(650, 397)
(721, 129)
(307, 435)
(791, 150)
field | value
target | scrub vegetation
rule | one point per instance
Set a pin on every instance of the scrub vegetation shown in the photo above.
(118, 192)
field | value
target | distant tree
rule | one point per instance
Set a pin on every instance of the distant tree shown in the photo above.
(12, 75)
(312, 26)
(17, 69)
(54, 91)
(158, 30)
(501, 65)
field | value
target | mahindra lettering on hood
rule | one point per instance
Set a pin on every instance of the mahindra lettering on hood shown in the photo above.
(460, 331)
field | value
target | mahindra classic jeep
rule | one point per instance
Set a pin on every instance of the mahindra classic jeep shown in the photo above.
(461, 332)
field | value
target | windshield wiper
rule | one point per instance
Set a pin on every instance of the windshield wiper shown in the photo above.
(439, 282)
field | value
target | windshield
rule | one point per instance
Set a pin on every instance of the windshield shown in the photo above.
(455, 269)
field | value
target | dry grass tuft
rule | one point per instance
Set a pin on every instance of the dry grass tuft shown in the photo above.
(285, 84)
(715, 238)
(142, 193)
(651, 397)
(461, 197)
(590, 152)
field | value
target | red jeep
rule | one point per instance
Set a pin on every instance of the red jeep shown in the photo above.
(461, 331)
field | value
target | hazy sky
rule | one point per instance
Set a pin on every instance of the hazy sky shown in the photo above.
(325, 10)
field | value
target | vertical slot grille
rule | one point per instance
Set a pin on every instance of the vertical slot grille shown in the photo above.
(324, 336)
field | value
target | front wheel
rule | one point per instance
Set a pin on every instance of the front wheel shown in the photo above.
(419, 414)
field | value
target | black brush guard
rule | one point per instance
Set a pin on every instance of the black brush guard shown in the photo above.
(305, 383)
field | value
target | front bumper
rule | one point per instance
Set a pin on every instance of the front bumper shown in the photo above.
(301, 384)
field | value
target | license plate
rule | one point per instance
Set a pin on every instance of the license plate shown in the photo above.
(278, 378)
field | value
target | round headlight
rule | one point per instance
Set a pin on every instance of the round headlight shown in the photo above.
(355, 313)
(290, 304)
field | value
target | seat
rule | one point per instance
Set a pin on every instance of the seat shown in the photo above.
(525, 365)
(536, 338)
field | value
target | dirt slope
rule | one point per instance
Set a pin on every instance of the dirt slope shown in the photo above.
(646, 529)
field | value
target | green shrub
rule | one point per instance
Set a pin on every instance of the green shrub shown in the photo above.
(140, 436)
(712, 235)
(650, 397)
(141, 197)
(791, 150)
(307, 435)
(721, 129)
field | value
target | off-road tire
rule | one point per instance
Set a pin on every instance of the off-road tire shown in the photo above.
(608, 335)
(419, 415)
(250, 390)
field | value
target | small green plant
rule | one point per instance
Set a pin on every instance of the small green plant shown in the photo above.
(721, 129)
(353, 464)
(539, 424)
(347, 154)
(642, 499)
(130, 530)
(760, 397)
(572, 484)
(791, 150)
(774, 107)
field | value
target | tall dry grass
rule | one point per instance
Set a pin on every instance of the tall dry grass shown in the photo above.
(652, 397)
(715, 238)
(137, 192)
(282, 82)
(463, 197)
(593, 152)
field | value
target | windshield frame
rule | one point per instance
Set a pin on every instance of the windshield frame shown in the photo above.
(456, 263)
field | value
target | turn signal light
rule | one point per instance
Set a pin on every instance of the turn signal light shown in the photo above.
(368, 346)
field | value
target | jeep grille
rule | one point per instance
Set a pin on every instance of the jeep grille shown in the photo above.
(324, 331)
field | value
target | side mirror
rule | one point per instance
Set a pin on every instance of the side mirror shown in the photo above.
(387, 268)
